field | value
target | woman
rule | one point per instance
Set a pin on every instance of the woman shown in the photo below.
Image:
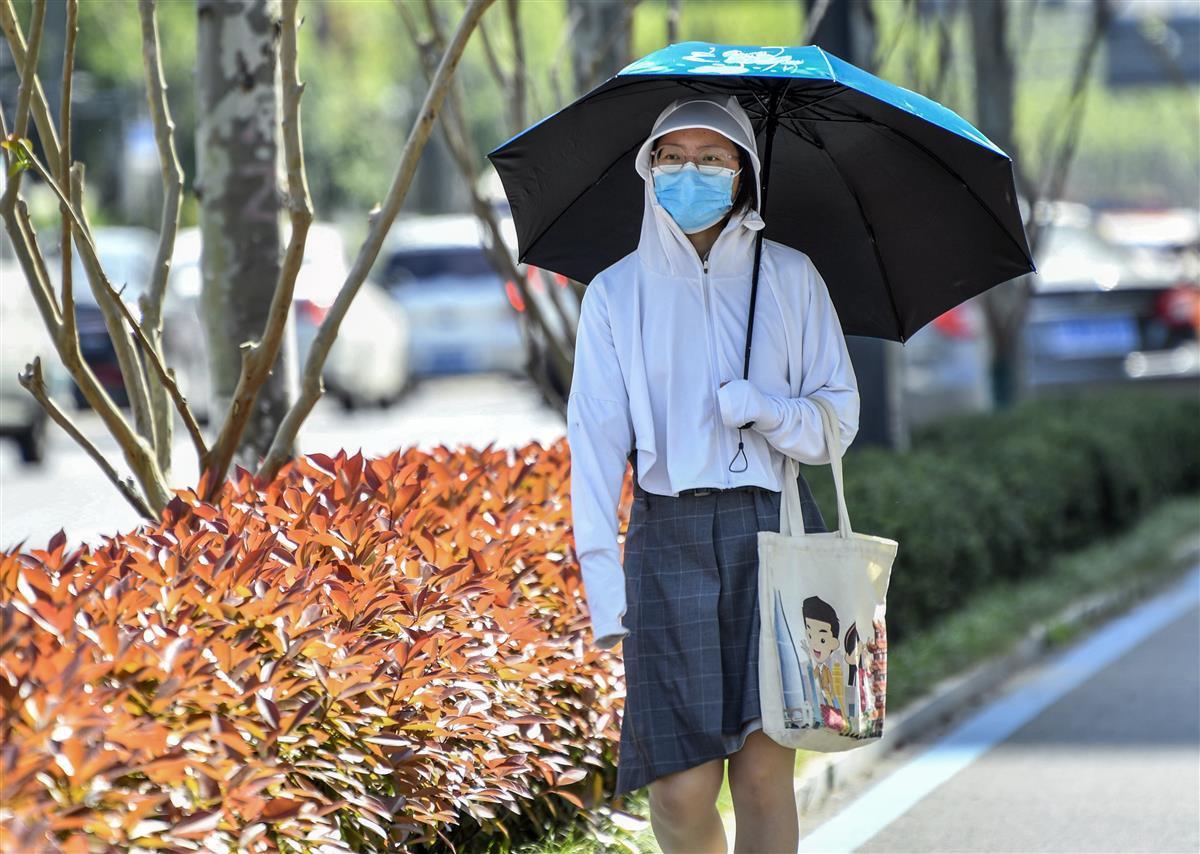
(658, 380)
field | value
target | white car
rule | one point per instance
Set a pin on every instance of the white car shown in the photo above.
(946, 365)
(463, 314)
(368, 363)
(23, 336)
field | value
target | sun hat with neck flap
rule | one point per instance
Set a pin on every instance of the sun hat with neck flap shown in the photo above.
(726, 117)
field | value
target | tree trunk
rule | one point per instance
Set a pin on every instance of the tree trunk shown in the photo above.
(238, 184)
(846, 28)
(995, 84)
(601, 41)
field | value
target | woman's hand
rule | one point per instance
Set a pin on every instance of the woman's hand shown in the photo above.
(741, 402)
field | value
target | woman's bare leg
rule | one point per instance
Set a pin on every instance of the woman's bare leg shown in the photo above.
(683, 810)
(764, 800)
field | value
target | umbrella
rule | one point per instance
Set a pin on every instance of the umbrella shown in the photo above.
(905, 208)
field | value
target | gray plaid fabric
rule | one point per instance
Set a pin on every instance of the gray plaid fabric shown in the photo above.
(691, 657)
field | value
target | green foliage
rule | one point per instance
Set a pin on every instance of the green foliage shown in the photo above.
(992, 497)
(18, 150)
(997, 617)
(1138, 145)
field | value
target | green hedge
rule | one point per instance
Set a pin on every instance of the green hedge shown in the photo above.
(987, 497)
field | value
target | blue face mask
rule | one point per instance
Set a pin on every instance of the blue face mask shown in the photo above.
(694, 200)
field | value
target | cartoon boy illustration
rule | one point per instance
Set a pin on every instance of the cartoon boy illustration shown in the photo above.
(821, 625)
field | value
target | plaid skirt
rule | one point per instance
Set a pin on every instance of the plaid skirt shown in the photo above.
(691, 656)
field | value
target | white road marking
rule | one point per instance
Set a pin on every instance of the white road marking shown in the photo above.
(895, 794)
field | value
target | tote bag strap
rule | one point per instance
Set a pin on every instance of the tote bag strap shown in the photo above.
(791, 516)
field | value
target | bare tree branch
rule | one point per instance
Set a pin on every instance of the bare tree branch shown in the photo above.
(815, 14)
(945, 54)
(29, 256)
(110, 303)
(64, 178)
(20, 229)
(885, 53)
(91, 262)
(130, 367)
(610, 41)
(673, 21)
(1055, 173)
(454, 130)
(41, 112)
(137, 452)
(381, 219)
(502, 79)
(31, 379)
(518, 74)
(560, 309)
(151, 302)
(29, 69)
(518, 82)
(574, 16)
(259, 357)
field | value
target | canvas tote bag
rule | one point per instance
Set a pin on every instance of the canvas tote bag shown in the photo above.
(823, 643)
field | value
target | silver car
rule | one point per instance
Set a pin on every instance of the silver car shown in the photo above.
(946, 365)
(368, 363)
(462, 313)
(127, 255)
(1102, 314)
(23, 336)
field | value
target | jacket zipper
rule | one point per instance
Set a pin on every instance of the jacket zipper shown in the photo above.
(713, 371)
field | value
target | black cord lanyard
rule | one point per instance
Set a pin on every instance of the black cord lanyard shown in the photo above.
(772, 112)
(758, 239)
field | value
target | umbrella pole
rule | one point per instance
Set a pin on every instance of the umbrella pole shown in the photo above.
(772, 121)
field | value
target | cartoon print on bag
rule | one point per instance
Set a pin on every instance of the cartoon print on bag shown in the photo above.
(854, 674)
(797, 683)
(821, 624)
(859, 657)
(878, 648)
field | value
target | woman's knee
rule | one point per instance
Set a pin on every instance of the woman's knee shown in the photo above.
(762, 770)
(692, 792)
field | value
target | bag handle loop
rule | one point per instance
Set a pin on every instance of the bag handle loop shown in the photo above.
(791, 516)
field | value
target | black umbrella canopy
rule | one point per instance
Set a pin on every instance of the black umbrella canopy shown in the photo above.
(905, 208)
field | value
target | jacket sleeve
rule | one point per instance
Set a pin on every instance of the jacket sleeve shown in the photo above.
(828, 373)
(600, 436)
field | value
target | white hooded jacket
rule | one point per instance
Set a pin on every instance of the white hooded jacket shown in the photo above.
(659, 332)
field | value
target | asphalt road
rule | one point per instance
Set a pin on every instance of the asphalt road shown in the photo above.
(1096, 749)
(70, 492)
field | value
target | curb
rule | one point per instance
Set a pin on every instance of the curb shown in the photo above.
(823, 777)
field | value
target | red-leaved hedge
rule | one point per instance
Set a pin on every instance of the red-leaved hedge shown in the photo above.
(363, 654)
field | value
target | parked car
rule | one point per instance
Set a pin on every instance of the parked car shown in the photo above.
(1099, 314)
(946, 365)
(460, 308)
(368, 361)
(127, 255)
(23, 336)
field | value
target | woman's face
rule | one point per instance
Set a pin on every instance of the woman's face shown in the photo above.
(695, 140)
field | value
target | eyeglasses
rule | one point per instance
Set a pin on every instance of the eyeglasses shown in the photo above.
(709, 161)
